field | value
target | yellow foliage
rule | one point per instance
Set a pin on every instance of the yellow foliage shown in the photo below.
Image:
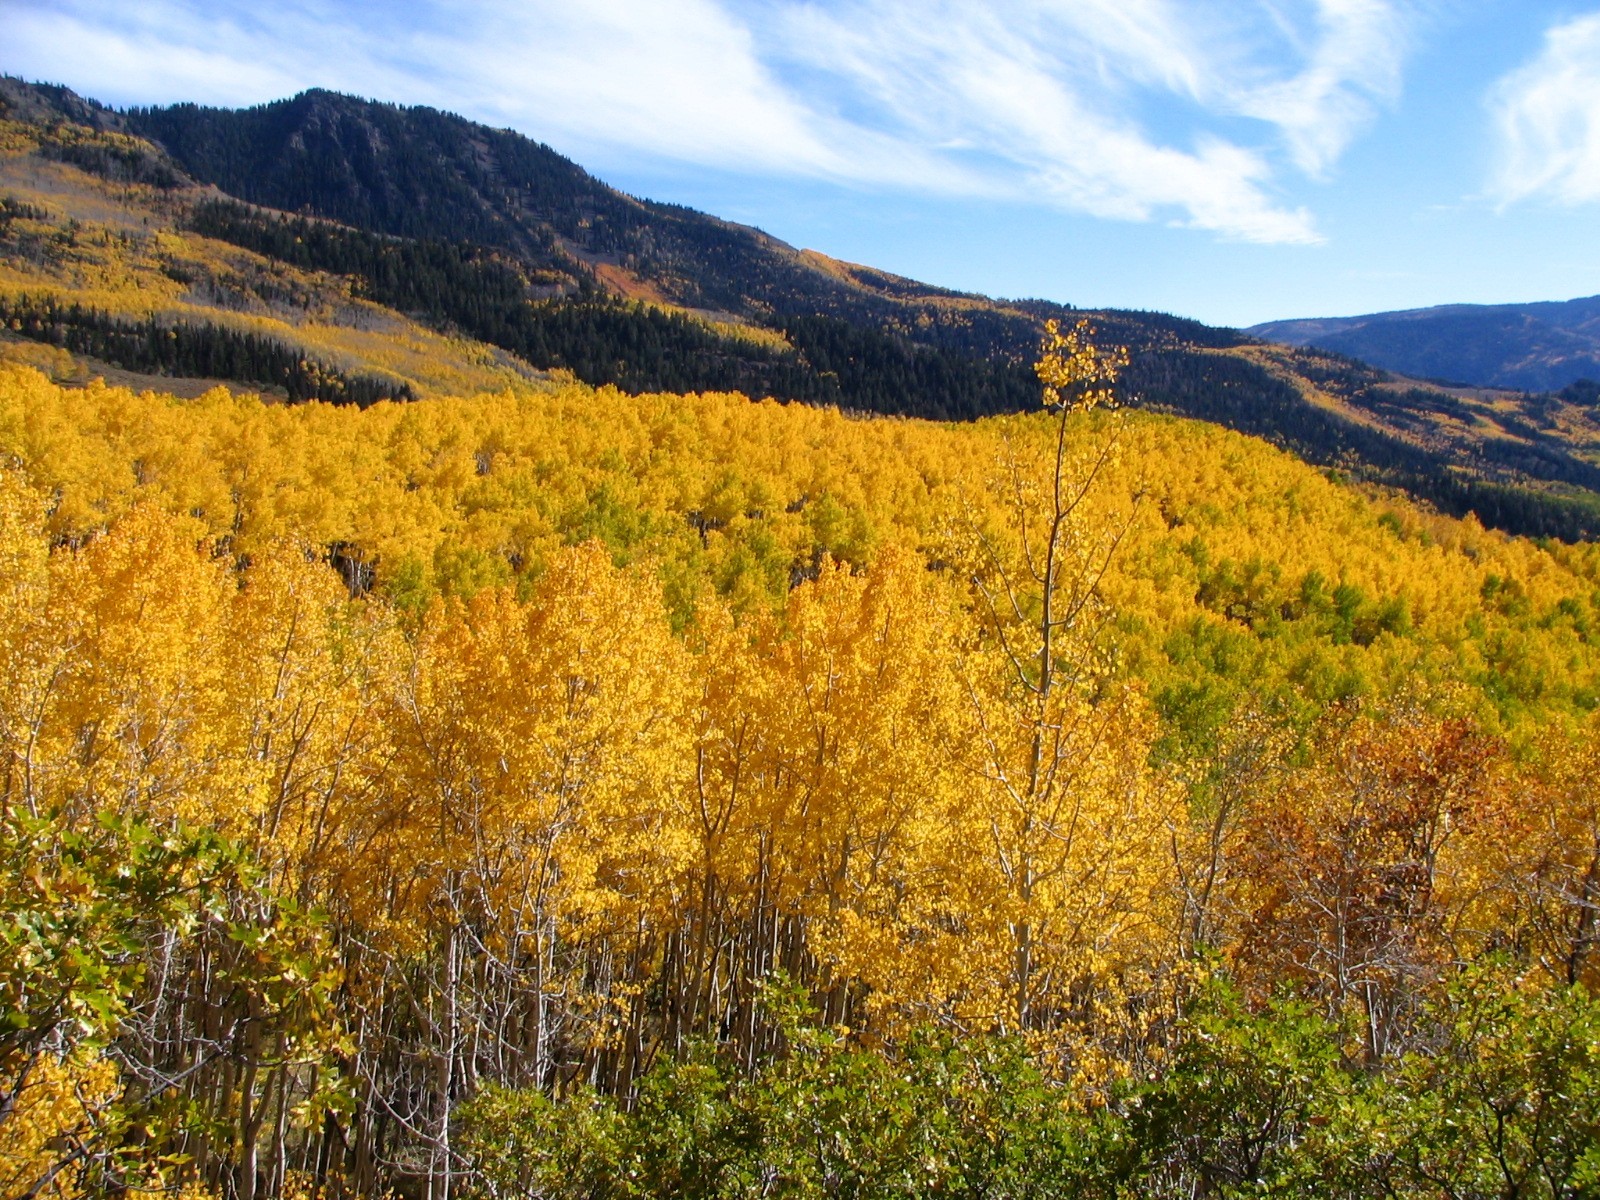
(450, 496)
(603, 708)
(59, 1106)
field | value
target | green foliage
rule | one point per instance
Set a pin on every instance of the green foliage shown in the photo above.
(81, 914)
(1232, 1112)
(1255, 1101)
(827, 1118)
(525, 1144)
(79, 907)
(1509, 1102)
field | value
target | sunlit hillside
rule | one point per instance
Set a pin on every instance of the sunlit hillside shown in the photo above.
(587, 721)
(73, 238)
(461, 258)
(1230, 542)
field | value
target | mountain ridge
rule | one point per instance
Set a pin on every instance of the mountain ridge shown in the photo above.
(1540, 346)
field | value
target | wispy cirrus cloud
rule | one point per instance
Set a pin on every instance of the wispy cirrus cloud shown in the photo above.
(1348, 68)
(677, 78)
(1194, 112)
(149, 51)
(1547, 120)
(1047, 95)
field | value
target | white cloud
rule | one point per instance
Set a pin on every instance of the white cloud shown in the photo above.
(1352, 67)
(136, 60)
(677, 79)
(1052, 88)
(1547, 119)
(681, 79)
(1189, 111)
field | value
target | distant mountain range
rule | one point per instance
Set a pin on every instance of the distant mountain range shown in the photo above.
(482, 234)
(1531, 347)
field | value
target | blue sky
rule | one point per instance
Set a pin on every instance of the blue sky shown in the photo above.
(1231, 160)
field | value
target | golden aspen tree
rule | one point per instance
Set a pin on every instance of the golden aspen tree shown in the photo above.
(703, 982)
(34, 648)
(305, 663)
(852, 778)
(821, 802)
(1062, 800)
(529, 828)
(138, 720)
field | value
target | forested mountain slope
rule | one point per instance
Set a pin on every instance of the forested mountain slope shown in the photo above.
(1533, 347)
(485, 235)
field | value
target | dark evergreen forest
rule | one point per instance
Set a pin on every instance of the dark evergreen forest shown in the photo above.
(192, 350)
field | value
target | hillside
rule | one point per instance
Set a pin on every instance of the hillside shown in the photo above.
(418, 239)
(557, 766)
(1530, 347)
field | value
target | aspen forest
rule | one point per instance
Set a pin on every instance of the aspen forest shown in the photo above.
(594, 795)
(517, 769)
